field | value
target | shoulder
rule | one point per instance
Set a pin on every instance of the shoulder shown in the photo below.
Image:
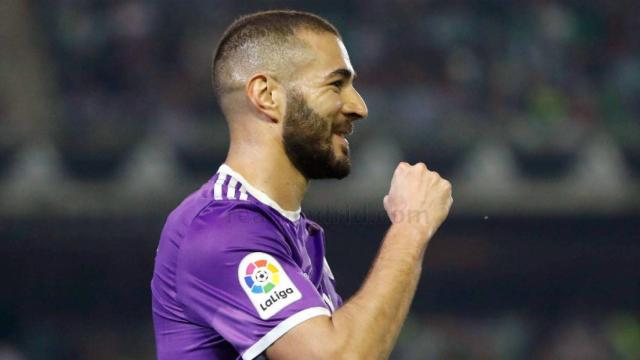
(226, 227)
(233, 216)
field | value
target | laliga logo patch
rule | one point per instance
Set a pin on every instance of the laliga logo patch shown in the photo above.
(261, 276)
(266, 284)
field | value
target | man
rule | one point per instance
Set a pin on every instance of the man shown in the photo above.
(240, 271)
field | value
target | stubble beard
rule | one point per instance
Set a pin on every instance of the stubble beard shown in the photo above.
(307, 144)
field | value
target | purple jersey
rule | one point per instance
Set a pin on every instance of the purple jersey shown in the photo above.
(234, 272)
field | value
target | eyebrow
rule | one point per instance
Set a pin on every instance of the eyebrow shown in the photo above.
(345, 73)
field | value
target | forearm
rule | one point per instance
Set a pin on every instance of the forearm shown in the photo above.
(368, 324)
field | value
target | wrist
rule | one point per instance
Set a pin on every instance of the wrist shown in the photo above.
(418, 232)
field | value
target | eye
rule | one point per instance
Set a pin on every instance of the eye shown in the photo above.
(337, 83)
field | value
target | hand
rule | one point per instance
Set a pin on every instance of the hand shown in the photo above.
(418, 198)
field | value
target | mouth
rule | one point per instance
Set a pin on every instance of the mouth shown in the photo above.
(341, 135)
(345, 131)
(342, 138)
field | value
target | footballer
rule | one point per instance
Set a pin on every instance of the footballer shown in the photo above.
(240, 271)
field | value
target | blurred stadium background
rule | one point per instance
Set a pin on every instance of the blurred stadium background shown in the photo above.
(531, 108)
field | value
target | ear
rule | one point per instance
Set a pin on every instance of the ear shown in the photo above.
(267, 96)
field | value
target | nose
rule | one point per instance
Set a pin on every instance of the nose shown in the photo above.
(354, 105)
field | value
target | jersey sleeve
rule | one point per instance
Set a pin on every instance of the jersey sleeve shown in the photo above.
(236, 274)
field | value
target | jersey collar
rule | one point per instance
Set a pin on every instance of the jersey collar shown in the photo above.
(262, 197)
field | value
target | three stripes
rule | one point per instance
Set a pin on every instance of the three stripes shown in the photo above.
(231, 188)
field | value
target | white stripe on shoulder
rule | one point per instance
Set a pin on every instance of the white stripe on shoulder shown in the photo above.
(243, 193)
(217, 187)
(231, 188)
(292, 215)
(261, 345)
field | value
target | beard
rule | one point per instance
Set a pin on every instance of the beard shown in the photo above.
(307, 138)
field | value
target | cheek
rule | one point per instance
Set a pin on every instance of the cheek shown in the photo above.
(336, 105)
(330, 104)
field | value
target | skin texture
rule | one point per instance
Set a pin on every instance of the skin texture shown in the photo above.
(262, 118)
(268, 56)
(308, 141)
(256, 117)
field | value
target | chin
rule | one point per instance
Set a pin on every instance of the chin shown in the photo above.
(343, 168)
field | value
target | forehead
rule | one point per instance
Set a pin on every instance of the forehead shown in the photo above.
(327, 51)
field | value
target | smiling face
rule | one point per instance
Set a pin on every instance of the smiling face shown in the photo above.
(321, 106)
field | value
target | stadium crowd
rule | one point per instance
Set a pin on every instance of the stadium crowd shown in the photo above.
(544, 78)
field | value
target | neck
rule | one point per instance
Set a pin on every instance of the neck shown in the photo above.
(269, 169)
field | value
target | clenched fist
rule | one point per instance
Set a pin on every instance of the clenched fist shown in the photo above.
(419, 198)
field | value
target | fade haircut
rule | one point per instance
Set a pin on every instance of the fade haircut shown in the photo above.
(263, 41)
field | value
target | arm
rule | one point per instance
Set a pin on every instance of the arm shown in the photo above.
(367, 326)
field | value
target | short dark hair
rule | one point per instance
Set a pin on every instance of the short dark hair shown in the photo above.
(276, 28)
